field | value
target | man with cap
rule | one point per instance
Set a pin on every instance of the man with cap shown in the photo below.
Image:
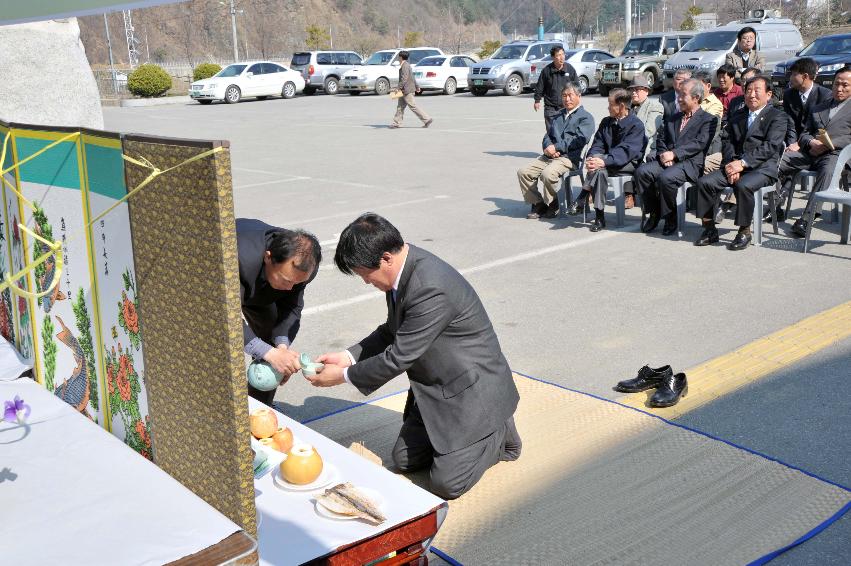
(649, 111)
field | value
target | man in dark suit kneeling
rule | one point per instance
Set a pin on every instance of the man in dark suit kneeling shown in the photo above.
(681, 146)
(458, 419)
(751, 149)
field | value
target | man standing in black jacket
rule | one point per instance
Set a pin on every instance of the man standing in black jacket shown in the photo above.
(275, 265)
(554, 77)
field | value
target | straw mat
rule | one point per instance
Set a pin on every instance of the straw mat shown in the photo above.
(600, 483)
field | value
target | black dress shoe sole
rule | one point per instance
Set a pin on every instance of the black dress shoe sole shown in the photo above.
(662, 405)
(620, 389)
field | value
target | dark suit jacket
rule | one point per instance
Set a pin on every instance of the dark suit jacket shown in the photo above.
(620, 143)
(691, 145)
(793, 107)
(669, 104)
(839, 128)
(252, 237)
(761, 145)
(441, 335)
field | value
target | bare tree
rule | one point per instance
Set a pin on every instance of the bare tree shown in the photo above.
(739, 8)
(265, 25)
(576, 18)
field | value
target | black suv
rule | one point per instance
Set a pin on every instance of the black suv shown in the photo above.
(831, 52)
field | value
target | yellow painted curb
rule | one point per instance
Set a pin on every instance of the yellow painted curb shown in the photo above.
(755, 360)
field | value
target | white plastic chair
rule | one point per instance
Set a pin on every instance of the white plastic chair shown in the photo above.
(833, 194)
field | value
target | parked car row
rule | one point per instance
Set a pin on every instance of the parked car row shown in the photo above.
(777, 39)
(516, 66)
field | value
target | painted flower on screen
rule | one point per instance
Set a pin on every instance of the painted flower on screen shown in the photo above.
(16, 411)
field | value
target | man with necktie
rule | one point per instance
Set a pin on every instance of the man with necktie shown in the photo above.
(803, 94)
(811, 151)
(750, 150)
(458, 419)
(681, 146)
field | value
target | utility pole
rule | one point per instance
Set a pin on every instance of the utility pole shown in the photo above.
(111, 62)
(627, 20)
(233, 25)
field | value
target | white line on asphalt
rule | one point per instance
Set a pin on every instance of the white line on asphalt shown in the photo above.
(272, 182)
(299, 178)
(334, 305)
(360, 211)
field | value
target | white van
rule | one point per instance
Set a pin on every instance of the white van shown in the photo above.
(777, 39)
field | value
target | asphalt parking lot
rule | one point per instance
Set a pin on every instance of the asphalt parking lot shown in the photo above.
(579, 309)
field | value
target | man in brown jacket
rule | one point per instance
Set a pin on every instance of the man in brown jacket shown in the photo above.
(408, 87)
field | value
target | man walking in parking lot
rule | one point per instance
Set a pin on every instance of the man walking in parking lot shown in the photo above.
(408, 87)
(551, 83)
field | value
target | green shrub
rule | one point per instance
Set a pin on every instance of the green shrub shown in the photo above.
(148, 81)
(205, 71)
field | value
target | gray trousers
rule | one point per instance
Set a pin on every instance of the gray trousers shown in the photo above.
(794, 161)
(451, 475)
(550, 113)
(408, 101)
(597, 182)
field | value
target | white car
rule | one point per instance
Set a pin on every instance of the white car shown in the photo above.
(259, 79)
(380, 72)
(443, 72)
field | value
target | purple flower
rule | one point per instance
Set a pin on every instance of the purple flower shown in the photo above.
(16, 411)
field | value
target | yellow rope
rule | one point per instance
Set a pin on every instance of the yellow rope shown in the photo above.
(56, 247)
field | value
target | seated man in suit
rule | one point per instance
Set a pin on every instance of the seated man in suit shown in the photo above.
(618, 148)
(650, 112)
(751, 149)
(275, 266)
(571, 129)
(811, 152)
(458, 419)
(669, 98)
(803, 94)
(681, 147)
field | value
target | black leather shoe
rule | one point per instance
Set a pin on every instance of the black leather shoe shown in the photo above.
(781, 215)
(670, 227)
(799, 228)
(740, 242)
(598, 225)
(669, 392)
(552, 210)
(709, 236)
(721, 213)
(577, 206)
(651, 223)
(647, 378)
(537, 211)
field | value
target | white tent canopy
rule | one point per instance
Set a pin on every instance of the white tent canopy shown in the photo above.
(19, 11)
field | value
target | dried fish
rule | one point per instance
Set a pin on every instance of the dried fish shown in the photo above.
(346, 499)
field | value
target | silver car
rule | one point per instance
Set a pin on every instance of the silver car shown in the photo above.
(324, 69)
(583, 61)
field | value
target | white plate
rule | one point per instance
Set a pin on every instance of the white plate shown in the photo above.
(328, 475)
(371, 493)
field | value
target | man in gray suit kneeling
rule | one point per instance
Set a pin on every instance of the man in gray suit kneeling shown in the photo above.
(458, 419)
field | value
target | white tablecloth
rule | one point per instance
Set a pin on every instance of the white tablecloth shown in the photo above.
(292, 532)
(72, 493)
